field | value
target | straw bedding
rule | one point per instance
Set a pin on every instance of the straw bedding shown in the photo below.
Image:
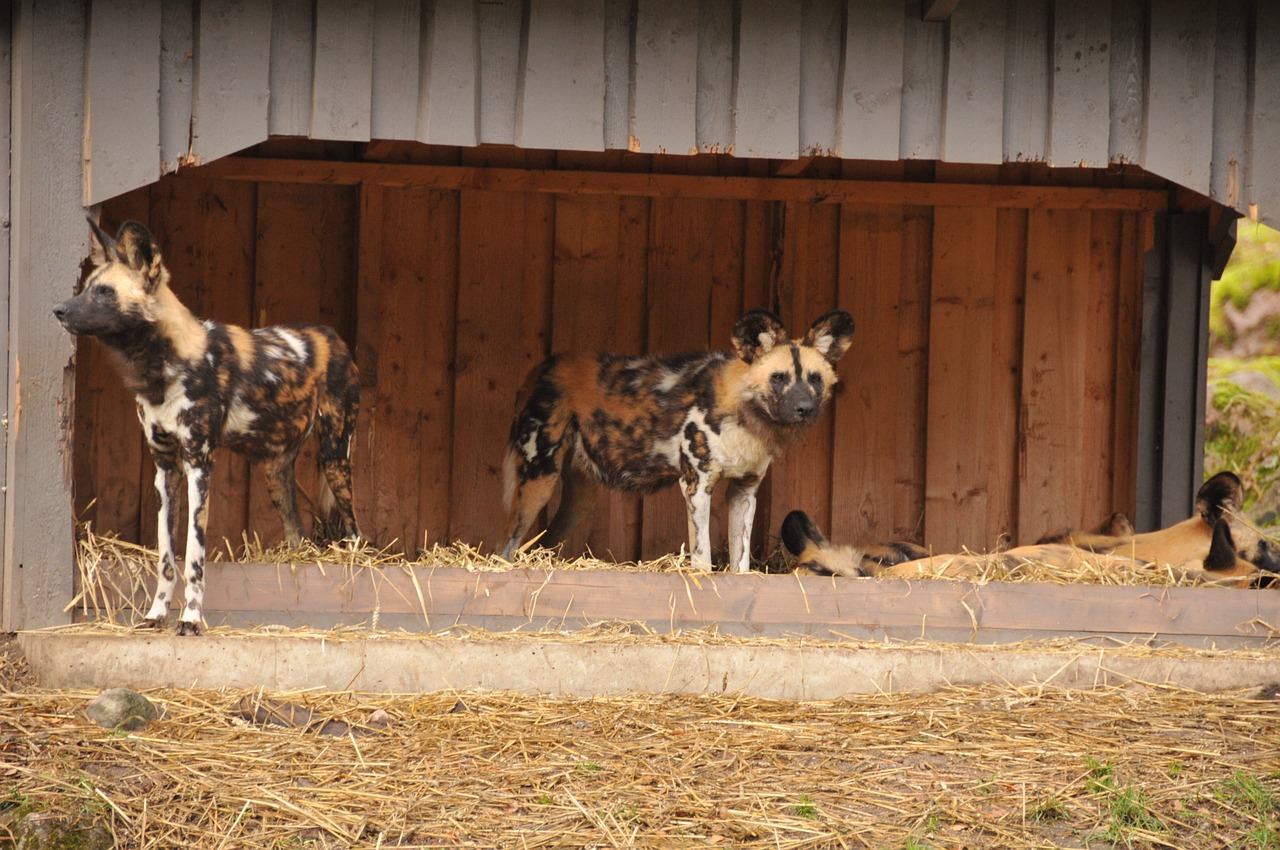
(991, 767)
(1139, 766)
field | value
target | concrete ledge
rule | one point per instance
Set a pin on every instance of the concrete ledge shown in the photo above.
(545, 665)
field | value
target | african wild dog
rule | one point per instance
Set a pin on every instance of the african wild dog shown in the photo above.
(1215, 545)
(202, 384)
(642, 423)
(815, 555)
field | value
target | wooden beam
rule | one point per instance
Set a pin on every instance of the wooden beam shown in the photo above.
(936, 11)
(795, 167)
(49, 241)
(455, 178)
(748, 605)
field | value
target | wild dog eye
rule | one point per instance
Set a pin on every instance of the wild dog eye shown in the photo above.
(815, 381)
(778, 380)
(101, 290)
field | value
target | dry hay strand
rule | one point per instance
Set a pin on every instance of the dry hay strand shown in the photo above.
(1082, 567)
(981, 767)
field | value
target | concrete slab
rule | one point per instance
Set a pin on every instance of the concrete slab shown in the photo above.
(554, 666)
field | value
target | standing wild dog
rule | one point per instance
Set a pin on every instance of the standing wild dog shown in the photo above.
(642, 423)
(201, 384)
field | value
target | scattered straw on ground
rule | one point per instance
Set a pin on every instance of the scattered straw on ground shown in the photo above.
(991, 767)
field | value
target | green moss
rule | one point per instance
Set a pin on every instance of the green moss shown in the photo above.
(1255, 265)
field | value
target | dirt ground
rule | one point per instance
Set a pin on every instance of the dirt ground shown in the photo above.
(1141, 766)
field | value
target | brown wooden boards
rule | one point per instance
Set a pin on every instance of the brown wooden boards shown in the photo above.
(675, 186)
(989, 393)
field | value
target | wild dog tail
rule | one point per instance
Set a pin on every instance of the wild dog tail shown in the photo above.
(325, 503)
(536, 407)
(509, 464)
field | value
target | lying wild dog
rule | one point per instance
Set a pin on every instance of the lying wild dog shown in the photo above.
(1212, 546)
(815, 555)
(202, 384)
(642, 423)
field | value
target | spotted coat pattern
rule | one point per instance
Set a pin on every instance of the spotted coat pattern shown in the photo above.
(202, 384)
(643, 423)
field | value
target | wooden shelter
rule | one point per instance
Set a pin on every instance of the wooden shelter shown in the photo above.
(1022, 204)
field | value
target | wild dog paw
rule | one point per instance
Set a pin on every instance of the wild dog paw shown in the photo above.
(186, 628)
(157, 623)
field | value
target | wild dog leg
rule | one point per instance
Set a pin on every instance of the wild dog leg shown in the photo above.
(697, 487)
(742, 512)
(529, 498)
(578, 495)
(336, 429)
(197, 522)
(283, 487)
(168, 480)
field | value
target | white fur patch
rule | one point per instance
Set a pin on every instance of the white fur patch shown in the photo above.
(766, 341)
(167, 414)
(294, 342)
(240, 418)
(823, 343)
(530, 447)
(668, 381)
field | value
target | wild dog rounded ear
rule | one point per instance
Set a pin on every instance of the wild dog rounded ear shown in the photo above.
(756, 333)
(798, 531)
(101, 246)
(139, 249)
(1221, 494)
(831, 334)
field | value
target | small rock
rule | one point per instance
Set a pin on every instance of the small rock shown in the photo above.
(51, 832)
(122, 708)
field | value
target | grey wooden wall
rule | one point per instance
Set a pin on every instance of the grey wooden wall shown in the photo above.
(1189, 89)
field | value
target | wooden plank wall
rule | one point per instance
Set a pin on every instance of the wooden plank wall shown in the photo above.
(988, 395)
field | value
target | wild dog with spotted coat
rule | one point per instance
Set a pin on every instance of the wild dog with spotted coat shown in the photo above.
(1215, 546)
(202, 384)
(643, 423)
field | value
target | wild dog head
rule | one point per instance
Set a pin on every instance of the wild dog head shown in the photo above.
(1217, 539)
(815, 555)
(120, 295)
(789, 381)
(1235, 543)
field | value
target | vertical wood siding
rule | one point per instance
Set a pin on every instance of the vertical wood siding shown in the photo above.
(1187, 90)
(988, 394)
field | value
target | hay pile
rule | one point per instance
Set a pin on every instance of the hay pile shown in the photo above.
(992, 767)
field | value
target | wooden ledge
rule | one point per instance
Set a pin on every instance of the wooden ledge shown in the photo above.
(752, 605)
(569, 182)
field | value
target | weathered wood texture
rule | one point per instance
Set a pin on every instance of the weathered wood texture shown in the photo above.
(432, 598)
(1182, 89)
(48, 242)
(6, 138)
(984, 396)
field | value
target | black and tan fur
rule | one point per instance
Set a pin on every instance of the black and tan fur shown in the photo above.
(642, 423)
(815, 555)
(1215, 545)
(201, 384)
